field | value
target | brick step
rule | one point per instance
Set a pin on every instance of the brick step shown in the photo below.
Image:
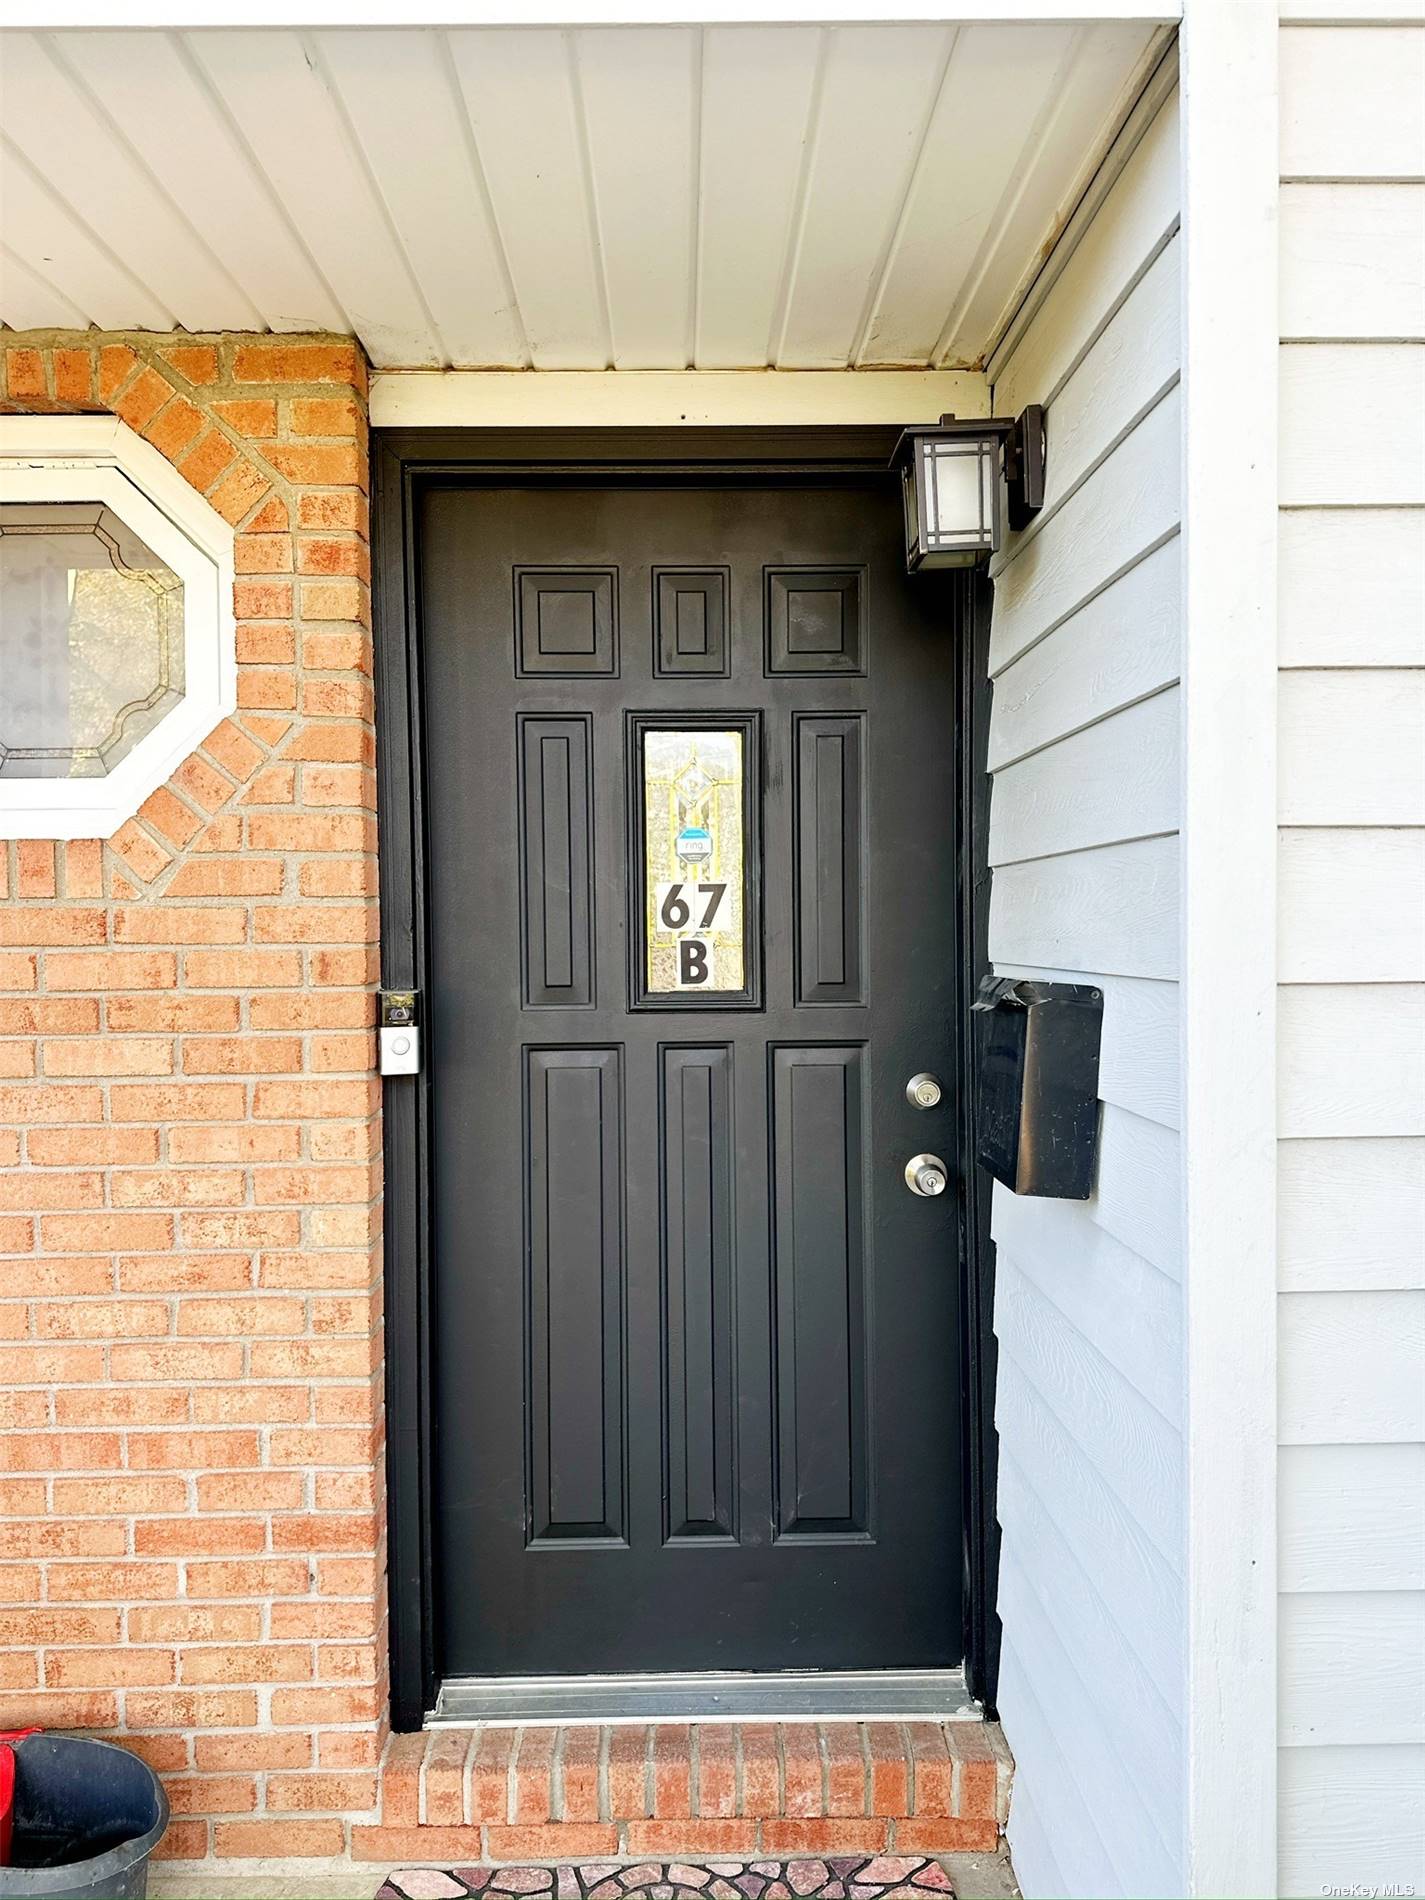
(505, 1795)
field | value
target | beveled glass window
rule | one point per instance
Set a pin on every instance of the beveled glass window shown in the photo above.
(91, 640)
(117, 650)
(695, 797)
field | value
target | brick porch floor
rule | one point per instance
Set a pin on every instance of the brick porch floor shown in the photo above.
(670, 1789)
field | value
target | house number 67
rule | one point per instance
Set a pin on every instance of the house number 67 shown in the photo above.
(675, 911)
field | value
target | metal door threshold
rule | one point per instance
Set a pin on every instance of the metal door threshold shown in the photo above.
(717, 1696)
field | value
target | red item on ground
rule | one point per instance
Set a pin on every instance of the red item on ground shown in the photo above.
(7, 1788)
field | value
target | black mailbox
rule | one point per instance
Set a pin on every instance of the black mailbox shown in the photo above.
(1036, 1084)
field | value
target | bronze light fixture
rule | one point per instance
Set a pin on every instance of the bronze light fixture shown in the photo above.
(962, 480)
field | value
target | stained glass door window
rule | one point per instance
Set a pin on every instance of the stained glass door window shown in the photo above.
(694, 788)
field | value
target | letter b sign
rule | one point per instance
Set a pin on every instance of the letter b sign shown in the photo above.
(694, 963)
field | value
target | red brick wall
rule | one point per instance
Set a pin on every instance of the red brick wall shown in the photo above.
(191, 1548)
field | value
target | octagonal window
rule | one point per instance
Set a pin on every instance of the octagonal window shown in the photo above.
(91, 639)
(116, 632)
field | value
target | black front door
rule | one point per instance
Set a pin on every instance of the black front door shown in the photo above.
(691, 807)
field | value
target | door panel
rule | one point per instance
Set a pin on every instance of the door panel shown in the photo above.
(699, 1307)
(819, 1290)
(574, 1298)
(557, 862)
(696, 1364)
(830, 868)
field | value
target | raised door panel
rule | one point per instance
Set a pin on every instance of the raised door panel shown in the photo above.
(574, 1299)
(556, 862)
(566, 621)
(816, 620)
(830, 858)
(690, 621)
(819, 1290)
(699, 1325)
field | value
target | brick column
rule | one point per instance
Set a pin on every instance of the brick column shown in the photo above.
(191, 1552)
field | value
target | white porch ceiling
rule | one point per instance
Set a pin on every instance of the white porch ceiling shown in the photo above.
(716, 197)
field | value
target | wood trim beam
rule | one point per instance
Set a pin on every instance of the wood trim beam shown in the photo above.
(1229, 856)
(671, 399)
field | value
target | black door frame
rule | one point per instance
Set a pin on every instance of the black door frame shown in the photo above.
(403, 462)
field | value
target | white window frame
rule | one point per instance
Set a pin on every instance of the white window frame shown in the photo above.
(100, 459)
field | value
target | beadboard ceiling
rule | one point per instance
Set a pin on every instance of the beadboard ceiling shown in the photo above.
(715, 197)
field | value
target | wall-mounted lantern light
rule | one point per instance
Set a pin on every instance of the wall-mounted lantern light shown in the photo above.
(962, 479)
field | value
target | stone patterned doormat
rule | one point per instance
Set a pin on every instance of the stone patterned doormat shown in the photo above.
(837, 1877)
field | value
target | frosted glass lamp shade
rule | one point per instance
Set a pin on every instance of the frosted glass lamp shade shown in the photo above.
(952, 499)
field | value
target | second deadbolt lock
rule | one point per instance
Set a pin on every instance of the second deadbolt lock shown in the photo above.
(923, 1090)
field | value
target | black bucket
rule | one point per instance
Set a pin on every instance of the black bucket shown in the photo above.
(87, 1817)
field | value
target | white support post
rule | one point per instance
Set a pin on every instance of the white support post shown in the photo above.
(1229, 847)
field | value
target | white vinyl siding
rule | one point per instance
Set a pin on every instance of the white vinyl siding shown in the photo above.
(1084, 748)
(1351, 1026)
